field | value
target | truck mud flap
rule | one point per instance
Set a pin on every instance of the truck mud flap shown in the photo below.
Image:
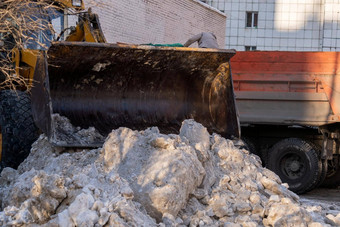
(107, 86)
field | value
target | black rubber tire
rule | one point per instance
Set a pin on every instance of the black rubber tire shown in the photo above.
(17, 127)
(322, 167)
(249, 145)
(333, 175)
(333, 181)
(323, 174)
(297, 163)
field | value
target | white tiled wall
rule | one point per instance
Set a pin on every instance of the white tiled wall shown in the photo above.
(294, 25)
(157, 21)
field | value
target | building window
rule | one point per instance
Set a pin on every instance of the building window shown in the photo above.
(252, 18)
(249, 48)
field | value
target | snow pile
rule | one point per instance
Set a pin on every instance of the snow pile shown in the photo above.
(147, 178)
(64, 131)
(66, 189)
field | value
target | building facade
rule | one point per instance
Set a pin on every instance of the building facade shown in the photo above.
(157, 21)
(286, 25)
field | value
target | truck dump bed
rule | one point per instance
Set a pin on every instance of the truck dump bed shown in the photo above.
(288, 88)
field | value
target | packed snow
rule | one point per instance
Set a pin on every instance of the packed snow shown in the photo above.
(145, 178)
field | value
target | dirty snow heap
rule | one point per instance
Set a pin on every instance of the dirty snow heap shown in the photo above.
(150, 179)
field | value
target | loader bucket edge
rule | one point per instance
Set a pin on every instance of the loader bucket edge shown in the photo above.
(40, 96)
(107, 86)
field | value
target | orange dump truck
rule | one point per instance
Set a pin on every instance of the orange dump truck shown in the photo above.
(289, 107)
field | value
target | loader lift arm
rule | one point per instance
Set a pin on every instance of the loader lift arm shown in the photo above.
(88, 29)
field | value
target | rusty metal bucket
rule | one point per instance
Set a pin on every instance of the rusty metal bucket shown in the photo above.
(116, 85)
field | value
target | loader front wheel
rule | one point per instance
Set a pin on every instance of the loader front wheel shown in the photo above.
(297, 163)
(17, 127)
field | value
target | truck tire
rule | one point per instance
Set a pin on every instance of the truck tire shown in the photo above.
(17, 127)
(297, 163)
(332, 181)
(249, 145)
(322, 167)
(323, 174)
(333, 175)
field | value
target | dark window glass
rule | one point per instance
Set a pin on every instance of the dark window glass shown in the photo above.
(249, 19)
(249, 48)
(255, 20)
(252, 18)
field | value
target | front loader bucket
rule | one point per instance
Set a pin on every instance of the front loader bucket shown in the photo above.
(107, 86)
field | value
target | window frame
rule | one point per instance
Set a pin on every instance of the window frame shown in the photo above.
(250, 48)
(254, 19)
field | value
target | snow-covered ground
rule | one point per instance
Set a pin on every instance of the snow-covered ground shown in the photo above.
(323, 203)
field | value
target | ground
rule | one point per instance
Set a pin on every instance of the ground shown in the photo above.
(323, 196)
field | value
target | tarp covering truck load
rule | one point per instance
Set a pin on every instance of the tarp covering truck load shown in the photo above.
(106, 86)
(289, 106)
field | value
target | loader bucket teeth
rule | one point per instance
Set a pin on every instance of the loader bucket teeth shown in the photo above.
(114, 85)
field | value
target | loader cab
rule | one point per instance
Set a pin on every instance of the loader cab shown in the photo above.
(40, 37)
(43, 23)
(34, 39)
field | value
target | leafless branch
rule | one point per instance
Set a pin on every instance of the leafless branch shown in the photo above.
(24, 25)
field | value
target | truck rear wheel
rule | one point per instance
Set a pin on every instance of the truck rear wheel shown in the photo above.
(332, 181)
(17, 127)
(322, 167)
(249, 145)
(323, 174)
(297, 163)
(333, 174)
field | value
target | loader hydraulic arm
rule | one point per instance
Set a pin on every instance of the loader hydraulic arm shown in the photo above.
(88, 29)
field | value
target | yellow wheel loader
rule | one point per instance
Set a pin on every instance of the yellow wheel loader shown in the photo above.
(106, 86)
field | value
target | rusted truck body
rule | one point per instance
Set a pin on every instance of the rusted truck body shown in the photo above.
(289, 107)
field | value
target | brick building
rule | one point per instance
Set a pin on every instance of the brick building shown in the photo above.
(157, 21)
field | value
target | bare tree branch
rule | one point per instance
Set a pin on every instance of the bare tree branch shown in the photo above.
(24, 25)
